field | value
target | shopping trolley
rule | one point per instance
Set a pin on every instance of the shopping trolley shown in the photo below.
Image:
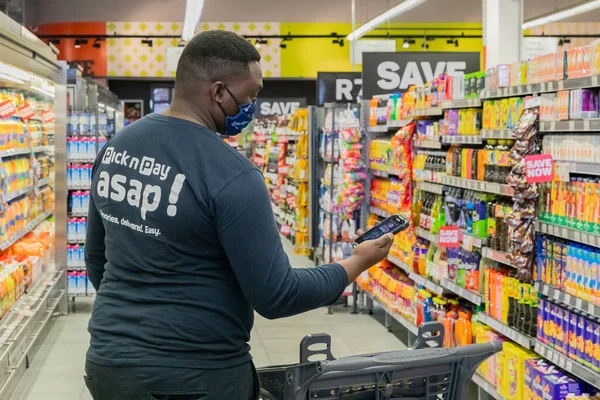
(425, 371)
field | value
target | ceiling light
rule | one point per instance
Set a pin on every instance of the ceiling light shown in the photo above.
(96, 44)
(456, 43)
(405, 44)
(77, 43)
(563, 14)
(147, 41)
(339, 42)
(386, 16)
(257, 44)
(193, 11)
(283, 46)
(450, 41)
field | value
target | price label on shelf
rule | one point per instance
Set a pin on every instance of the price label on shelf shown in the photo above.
(579, 304)
(591, 309)
(556, 295)
(545, 290)
(539, 168)
(26, 111)
(586, 125)
(594, 80)
(449, 236)
(571, 126)
(7, 109)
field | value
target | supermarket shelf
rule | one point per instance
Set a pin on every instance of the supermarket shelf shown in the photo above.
(473, 297)
(588, 125)
(486, 386)
(25, 327)
(427, 112)
(496, 255)
(378, 128)
(507, 331)
(30, 227)
(14, 152)
(461, 103)
(469, 241)
(399, 264)
(395, 171)
(78, 214)
(496, 134)
(403, 321)
(427, 144)
(376, 172)
(575, 235)
(398, 123)
(580, 168)
(420, 280)
(43, 149)
(17, 193)
(81, 159)
(510, 91)
(75, 265)
(430, 187)
(45, 181)
(79, 187)
(76, 241)
(480, 186)
(380, 212)
(565, 298)
(461, 139)
(546, 87)
(570, 366)
(432, 237)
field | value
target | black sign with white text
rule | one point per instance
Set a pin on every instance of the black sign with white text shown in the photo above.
(269, 107)
(394, 72)
(338, 87)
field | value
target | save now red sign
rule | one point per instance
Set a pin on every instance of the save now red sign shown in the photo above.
(539, 168)
(449, 236)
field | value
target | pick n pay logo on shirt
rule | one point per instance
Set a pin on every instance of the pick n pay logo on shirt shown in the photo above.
(143, 195)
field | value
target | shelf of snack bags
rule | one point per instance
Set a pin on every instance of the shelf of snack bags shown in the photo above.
(296, 178)
(342, 186)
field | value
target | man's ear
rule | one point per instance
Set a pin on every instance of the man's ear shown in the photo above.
(218, 91)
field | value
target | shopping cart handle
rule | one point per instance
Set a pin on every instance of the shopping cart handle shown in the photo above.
(430, 334)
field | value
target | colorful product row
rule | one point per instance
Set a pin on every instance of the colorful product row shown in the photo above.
(574, 204)
(84, 147)
(79, 174)
(572, 333)
(76, 228)
(502, 114)
(491, 164)
(79, 202)
(78, 284)
(578, 148)
(465, 121)
(84, 124)
(75, 254)
(570, 267)
(16, 174)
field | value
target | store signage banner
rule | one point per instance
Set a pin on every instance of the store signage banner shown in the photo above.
(539, 168)
(385, 73)
(268, 107)
(449, 236)
(338, 87)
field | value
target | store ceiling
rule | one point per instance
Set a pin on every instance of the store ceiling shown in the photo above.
(48, 11)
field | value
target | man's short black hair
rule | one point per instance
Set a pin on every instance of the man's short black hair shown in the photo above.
(215, 56)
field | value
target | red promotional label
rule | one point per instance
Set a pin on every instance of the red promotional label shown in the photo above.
(7, 109)
(539, 168)
(47, 116)
(26, 112)
(449, 236)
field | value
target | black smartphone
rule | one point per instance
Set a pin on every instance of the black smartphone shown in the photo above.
(393, 224)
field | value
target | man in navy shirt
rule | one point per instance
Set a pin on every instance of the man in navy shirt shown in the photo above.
(182, 246)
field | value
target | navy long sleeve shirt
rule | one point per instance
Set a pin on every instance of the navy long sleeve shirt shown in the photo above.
(182, 247)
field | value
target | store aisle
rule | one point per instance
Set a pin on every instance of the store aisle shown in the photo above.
(57, 372)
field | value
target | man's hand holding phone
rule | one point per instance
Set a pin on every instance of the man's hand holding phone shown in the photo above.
(367, 254)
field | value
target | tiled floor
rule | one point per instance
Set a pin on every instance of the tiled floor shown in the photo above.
(56, 373)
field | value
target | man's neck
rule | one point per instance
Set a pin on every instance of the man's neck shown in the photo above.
(183, 109)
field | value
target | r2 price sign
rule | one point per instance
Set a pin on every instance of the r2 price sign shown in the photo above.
(539, 168)
(449, 236)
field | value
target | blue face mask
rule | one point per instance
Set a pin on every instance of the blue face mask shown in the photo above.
(234, 125)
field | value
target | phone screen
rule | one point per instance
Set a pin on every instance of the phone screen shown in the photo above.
(393, 224)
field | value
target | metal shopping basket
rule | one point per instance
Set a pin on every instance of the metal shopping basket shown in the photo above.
(426, 371)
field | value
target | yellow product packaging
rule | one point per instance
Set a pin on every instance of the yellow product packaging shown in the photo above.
(481, 337)
(513, 371)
